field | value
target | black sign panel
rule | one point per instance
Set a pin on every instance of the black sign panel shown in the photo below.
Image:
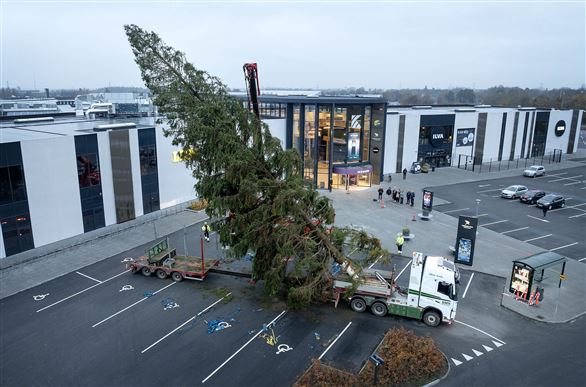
(436, 136)
(427, 203)
(466, 239)
(465, 137)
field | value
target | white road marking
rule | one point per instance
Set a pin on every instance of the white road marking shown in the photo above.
(517, 229)
(495, 196)
(576, 182)
(467, 286)
(87, 276)
(372, 264)
(487, 348)
(498, 221)
(583, 188)
(182, 325)
(534, 239)
(564, 178)
(481, 215)
(582, 259)
(489, 190)
(541, 220)
(557, 174)
(467, 357)
(84, 290)
(458, 210)
(563, 247)
(575, 216)
(477, 353)
(498, 344)
(334, 342)
(408, 263)
(456, 362)
(483, 185)
(130, 306)
(481, 331)
(241, 348)
(570, 207)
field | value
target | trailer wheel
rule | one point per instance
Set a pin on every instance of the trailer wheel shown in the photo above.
(358, 305)
(177, 277)
(431, 318)
(162, 274)
(133, 269)
(379, 309)
(146, 271)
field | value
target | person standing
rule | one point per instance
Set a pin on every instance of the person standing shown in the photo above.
(206, 231)
(412, 198)
(399, 242)
(380, 193)
(404, 173)
(389, 192)
(544, 209)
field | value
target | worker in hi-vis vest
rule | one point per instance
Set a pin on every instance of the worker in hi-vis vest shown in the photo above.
(206, 231)
(399, 242)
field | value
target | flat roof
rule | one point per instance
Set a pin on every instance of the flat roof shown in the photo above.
(62, 126)
(308, 99)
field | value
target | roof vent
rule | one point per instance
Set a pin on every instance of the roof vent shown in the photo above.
(421, 107)
(464, 110)
(103, 128)
(29, 120)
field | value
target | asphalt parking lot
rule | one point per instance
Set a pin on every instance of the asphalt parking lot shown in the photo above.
(102, 325)
(562, 230)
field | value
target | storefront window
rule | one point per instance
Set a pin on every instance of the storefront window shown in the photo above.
(340, 143)
(366, 135)
(296, 129)
(354, 133)
(309, 144)
(323, 141)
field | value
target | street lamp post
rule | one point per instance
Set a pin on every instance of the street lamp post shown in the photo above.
(477, 205)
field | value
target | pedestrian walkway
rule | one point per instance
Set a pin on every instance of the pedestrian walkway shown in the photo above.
(494, 252)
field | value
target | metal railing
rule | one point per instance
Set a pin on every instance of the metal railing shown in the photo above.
(470, 163)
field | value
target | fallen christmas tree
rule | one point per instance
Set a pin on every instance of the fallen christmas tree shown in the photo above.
(241, 170)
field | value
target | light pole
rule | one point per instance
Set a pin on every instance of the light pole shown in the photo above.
(477, 205)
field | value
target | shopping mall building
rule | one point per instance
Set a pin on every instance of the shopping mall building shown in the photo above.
(67, 176)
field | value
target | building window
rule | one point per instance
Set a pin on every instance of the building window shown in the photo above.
(296, 129)
(309, 144)
(149, 177)
(339, 137)
(366, 135)
(90, 182)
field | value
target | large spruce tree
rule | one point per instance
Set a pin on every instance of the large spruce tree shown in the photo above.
(254, 188)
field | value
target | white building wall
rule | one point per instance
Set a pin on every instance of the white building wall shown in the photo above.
(2, 249)
(135, 168)
(52, 188)
(106, 178)
(278, 129)
(175, 180)
(391, 142)
(492, 138)
(553, 141)
(578, 128)
(411, 141)
(508, 133)
(464, 120)
(520, 129)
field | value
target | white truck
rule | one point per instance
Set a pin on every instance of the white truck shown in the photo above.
(431, 296)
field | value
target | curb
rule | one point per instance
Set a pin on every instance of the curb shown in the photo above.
(433, 383)
(540, 320)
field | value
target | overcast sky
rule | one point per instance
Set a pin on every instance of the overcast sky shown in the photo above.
(72, 44)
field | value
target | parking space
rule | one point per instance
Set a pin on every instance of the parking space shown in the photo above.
(561, 229)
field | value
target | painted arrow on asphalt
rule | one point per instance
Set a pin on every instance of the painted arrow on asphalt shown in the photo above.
(487, 348)
(477, 353)
(456, 362)
(468, 358)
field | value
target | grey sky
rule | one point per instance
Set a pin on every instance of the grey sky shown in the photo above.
(302, 45)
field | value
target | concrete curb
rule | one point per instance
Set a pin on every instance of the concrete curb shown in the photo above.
(433, 383)
(538, 319)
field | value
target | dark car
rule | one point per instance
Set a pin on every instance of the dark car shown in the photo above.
(551, 201)
(531, 196)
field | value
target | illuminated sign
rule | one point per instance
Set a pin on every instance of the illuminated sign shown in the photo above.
(560, 128)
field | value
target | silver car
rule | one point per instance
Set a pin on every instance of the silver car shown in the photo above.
(513, 191)
(534, 171)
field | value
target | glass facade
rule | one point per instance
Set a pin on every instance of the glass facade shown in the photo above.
(122, 175)
(90, 183)
(296, 139)
(149, 176)
(309, 149)
(323, 145)
(435, 139)
(14, 211)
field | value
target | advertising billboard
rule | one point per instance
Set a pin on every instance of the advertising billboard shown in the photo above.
(465, 137)
(353, 146)
(427, 203)
(467, 226)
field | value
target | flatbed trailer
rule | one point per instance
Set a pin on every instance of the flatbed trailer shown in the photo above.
(163, 261)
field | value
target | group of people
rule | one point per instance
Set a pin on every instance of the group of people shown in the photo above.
(398, 195)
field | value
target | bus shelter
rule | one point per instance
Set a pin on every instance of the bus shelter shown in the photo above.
(530, 269)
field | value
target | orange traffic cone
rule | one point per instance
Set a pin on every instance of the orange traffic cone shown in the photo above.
(531, 298)
(537, 295)
(516, 294)
(382, 203)
(414, 218)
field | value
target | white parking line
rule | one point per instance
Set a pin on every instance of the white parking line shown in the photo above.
(563, 247)
(575, 216)
(481, 215)
(517, 229)
(495, 196)
(480, 330)
(182, 325)
(582, 259)
(568, 207)
(334, 342)
(84, 290)
(576, 182)
(130, 306)
(467, 286)
(408, 263)
(489, 190)
(460, 209)
(241, 348)
(483, 185)
(542, 220)
(87, 276)
(498, 221)
(557, 174)
(372, 264)
(534, 239)
(564, 178)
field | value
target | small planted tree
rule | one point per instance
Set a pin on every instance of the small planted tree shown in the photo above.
(254, 189)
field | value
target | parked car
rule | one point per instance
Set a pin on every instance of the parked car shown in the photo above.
(513, 191)
(534, 171)
(531, 196)
(415, 167)
(551, 201)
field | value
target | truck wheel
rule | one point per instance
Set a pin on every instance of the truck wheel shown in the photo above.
(162, 274)
(431, 318)
(379, 309)
(358, 305)
(177, 277)
(146, 271)
(133, 269)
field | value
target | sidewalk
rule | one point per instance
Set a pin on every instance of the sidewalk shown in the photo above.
(494, 252)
